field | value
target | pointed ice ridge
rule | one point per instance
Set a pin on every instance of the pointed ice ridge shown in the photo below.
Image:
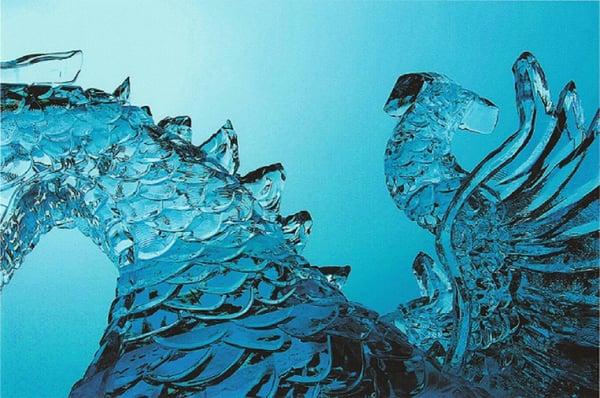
(123, 90)
(296, 228)
(178, 126)
(147, 110)
(222, 148)
(337, 275)
(266, 185)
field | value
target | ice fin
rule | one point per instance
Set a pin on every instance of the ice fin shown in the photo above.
(335, 274)
(180, 126)
(122, 92)
(222, 148)
(266, 185)
(147, 110)
(296, 228)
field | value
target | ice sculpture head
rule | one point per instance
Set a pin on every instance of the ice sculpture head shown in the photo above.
(421, 172)
(469, 110)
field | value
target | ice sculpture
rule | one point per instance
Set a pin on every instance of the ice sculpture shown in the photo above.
(214, 298)
(513, 303)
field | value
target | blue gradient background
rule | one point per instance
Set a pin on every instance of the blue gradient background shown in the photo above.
(304, 84)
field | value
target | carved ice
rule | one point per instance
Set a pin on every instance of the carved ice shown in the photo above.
(214, 297)
(513, 303)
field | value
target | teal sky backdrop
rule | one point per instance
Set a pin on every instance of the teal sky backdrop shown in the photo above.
(304, 84)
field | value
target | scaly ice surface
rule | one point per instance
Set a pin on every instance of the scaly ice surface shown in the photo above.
(214, 298)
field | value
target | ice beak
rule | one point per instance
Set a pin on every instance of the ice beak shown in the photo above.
(481, 116)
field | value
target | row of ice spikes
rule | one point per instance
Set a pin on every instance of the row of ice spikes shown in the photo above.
(265, 183)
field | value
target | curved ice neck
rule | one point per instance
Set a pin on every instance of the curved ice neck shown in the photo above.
(66, 198)
(37, 207)
(421, 173)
